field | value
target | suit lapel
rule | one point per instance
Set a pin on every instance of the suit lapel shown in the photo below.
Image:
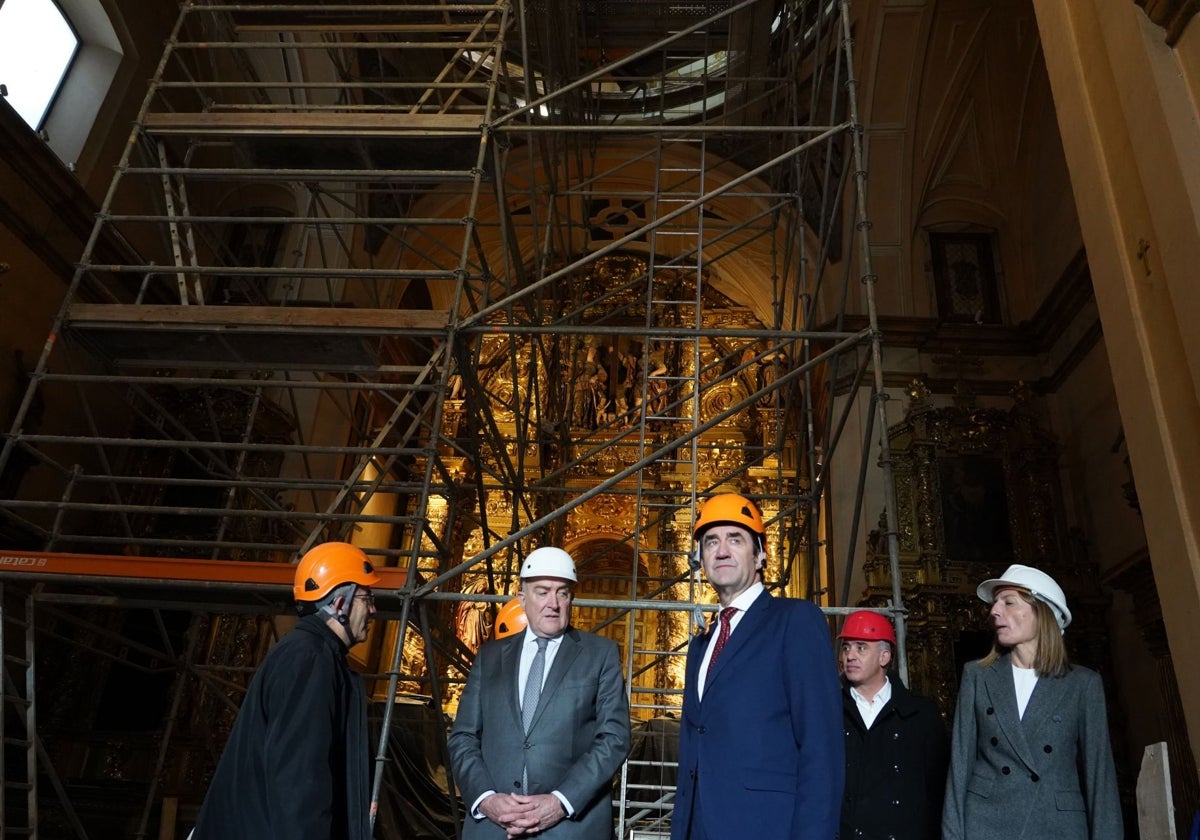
(510, 672)
(695, 653)
(1002, 694)
(850, 710)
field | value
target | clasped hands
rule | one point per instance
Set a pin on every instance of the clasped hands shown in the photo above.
(519, 814)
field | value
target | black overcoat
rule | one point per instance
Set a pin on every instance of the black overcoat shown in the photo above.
(297, 763)
(896, 770)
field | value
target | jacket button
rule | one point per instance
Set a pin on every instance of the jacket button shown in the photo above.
(896, 802)
(995, 741)
(1033, 777)
(1005, 770)
(1048, 749)
(990, 710)
(702, 729)
(895, 736)
(896, 768)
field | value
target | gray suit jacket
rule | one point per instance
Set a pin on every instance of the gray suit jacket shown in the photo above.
(577, 741)
(1013, 778)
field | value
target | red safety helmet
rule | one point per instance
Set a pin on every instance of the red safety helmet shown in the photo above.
(730, 509)
(510, 620)
(327, 566)
(867, 626)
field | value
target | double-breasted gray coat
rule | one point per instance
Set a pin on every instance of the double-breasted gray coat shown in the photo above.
(1049, 774)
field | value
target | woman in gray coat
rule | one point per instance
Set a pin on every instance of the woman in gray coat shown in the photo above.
(1030, 756)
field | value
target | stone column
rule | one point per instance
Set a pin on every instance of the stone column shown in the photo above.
(1129, 132)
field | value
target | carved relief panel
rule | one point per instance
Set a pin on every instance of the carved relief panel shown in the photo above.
(579, 406)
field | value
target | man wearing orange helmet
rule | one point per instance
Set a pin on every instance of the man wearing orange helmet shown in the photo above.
(297, 763)
(510, 619)
(760, 742)
(897, 749)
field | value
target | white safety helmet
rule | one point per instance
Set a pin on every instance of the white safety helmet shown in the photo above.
(1039, 584)
(549, 562)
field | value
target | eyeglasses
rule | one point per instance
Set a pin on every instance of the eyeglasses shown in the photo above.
(367, 597)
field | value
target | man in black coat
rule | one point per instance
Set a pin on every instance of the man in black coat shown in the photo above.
(297, 763)
(897, 749)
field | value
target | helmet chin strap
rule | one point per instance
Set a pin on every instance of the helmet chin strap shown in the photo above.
(342, 616)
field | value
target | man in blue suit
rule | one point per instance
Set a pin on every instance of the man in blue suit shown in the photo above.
(761, 749)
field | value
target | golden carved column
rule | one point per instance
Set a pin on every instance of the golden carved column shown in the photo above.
(674, 629)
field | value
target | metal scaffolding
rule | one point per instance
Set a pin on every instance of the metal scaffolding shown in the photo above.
(454, 280)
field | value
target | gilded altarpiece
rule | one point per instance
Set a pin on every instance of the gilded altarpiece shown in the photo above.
(586, 393)
(976, 490)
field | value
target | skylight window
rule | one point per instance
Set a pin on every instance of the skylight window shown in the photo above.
(37, 45)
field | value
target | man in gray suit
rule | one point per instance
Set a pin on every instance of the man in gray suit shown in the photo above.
(543, 723)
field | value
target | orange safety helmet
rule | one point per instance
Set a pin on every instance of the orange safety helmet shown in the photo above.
(730, 509)
(327, 566)
(867, 626)
(510, 620)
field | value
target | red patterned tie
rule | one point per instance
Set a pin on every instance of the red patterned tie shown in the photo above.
(722, 637)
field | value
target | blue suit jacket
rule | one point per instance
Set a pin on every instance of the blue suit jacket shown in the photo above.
(763, 749)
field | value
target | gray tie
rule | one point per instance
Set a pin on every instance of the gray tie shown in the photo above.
(533, 691)
(533, 683)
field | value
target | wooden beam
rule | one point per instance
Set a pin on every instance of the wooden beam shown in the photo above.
(367, 27)
(249, 317)
(322, 123)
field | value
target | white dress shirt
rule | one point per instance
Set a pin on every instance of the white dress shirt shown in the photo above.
(528, 651)
(870, 709)
(742, 603)
(1024, 681)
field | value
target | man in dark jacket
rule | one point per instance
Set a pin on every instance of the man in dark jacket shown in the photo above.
(297, 763)
(897, 750)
